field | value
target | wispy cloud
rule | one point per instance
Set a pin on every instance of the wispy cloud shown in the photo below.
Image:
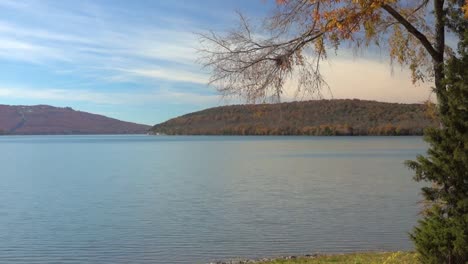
(14, 49)
(115, 98)
(120, 53)
(93, 39)
(18, 31)
(168, 74)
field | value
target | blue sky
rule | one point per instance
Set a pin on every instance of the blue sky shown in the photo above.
(136, 60)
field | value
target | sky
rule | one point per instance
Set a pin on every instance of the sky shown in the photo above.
(137, 60)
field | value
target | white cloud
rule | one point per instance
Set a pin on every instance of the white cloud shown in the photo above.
(13, 49)
(114, 98)
(93, 40)
(168, 74)
(18, 31)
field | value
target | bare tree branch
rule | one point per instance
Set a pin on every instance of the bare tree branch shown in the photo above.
(294, 40)
(245, 64)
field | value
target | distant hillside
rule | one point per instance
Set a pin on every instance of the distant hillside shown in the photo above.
(44, 119)
(319, 117)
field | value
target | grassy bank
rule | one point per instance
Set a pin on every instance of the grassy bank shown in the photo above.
(355, 258)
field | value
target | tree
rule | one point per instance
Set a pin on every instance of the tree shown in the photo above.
(442, 235)
(255, 62)
(296, 38)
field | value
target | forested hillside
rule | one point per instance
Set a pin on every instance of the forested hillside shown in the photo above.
(45, 119)
(318, 117)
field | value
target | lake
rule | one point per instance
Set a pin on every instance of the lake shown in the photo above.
(196, 199)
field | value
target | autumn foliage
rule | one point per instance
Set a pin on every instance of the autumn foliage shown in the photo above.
(321, 117)
(257, 62)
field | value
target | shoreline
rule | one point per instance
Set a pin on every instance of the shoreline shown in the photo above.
(387, 257)
(265, 259)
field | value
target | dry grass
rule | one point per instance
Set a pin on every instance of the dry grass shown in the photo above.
(355, 258)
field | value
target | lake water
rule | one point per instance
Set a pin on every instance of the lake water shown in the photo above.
(158, 199)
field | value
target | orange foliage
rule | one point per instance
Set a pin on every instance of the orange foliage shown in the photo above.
(323, 117)
(343, 20)
(465, 9)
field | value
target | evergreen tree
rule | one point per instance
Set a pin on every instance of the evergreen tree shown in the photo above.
(442, 234)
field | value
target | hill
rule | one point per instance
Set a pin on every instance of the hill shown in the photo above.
(318, 117)
(44, 119)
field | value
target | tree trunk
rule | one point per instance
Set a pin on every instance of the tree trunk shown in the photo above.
(439, 46)
(436, 51)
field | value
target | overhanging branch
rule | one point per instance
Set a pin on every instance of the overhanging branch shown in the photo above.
(414, 31)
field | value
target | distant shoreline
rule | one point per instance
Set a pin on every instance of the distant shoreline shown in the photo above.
(253, 135)
(207, 135)
(72, 134)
